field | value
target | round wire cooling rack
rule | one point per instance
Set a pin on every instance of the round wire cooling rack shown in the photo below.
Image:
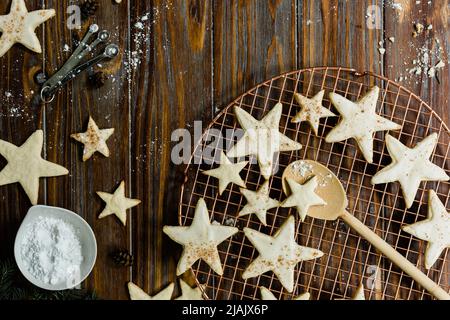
(348, 259)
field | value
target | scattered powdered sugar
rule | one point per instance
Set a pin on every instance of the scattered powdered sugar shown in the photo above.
(51, 251)
(302, 168)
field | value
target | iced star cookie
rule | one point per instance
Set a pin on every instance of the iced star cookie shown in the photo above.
(410, 166)
(435, 229)
(279, 254)
(19, 25)
(312, 110)
(267, 295)
(200, 240)
(262, 139)
(137, 293)
(359, 121)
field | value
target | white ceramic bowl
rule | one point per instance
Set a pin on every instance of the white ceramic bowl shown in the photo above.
(84, 233)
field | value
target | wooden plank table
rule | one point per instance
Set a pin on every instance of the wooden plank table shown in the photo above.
(188, 60)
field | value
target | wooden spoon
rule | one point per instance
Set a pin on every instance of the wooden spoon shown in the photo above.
(330, 189)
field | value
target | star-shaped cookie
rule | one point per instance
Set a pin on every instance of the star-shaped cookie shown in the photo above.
(267, 295)
(26, 166)
(188, 293)
(200, 240)
(303, 196)
(94, 139)
(359, 293)
(19, 27)
(227, 173)
(137, 293)
(312, 110)
(262, 139)
(359, 121)
(279, 254)
(435, 229)
(117, 203)
(410, 166)
(258, 202)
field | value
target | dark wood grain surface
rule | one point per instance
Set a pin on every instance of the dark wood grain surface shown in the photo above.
(191, 58)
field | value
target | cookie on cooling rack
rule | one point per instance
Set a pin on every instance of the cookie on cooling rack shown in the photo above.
(303, 196)
(200, 240)
(262, 139)
(410, 166)
(227, 173)
(279, 254)
(137, 293)
(258, 202)
(359, 121)
(435, 229)
(312, 110)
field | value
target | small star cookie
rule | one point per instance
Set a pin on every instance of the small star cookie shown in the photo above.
(200, 240)
(93, 139)
(117, 203)
(267, 295)
(303, 197)
(435, 229)
(137, 293)
(279, 254)
(227, 173)
(312, 110)
(26, 166)
(19, 27)
(258, 202)
(359, 121)
(410, 166)
(262, 139)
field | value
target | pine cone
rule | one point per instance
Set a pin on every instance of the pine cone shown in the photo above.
(88, 8)
(98, 79)
(123, 258)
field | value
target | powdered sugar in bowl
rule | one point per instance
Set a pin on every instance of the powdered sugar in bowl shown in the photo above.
(55, 249)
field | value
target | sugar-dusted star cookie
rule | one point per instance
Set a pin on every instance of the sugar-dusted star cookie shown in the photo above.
(303, 197)
(258, 202)
(188, 293)
(26, 166)
(137, 293)
(262, 139)
(359, 121)
(267, 295)
(410, 166)
(279, 254)
(200, 240)
(359, 293)
(435, 229)
(227, 173)
(94, 139)
(19, 25)
(117, 203)
(312, 110)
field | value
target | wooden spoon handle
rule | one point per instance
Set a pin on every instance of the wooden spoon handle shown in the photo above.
(395, 257)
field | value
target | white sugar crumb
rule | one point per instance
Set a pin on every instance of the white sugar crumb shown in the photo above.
(397, 6)
(66, 48)
(302, 168)
(382, 51)
(8, 94)
(308, 22)
(392, 39)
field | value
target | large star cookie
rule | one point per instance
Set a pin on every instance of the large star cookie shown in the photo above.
(94, 140)
(267, 295)
(188, 293)
(137, 293)
(312, 110)
(258, 202)
(359, 121)
(279, 254)
(435, 229)
(227, 173)
(117, 203)
(200, 240)
(19, 27)
(410, 166)
(303, 197)
(26, 166)
(262, 139)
